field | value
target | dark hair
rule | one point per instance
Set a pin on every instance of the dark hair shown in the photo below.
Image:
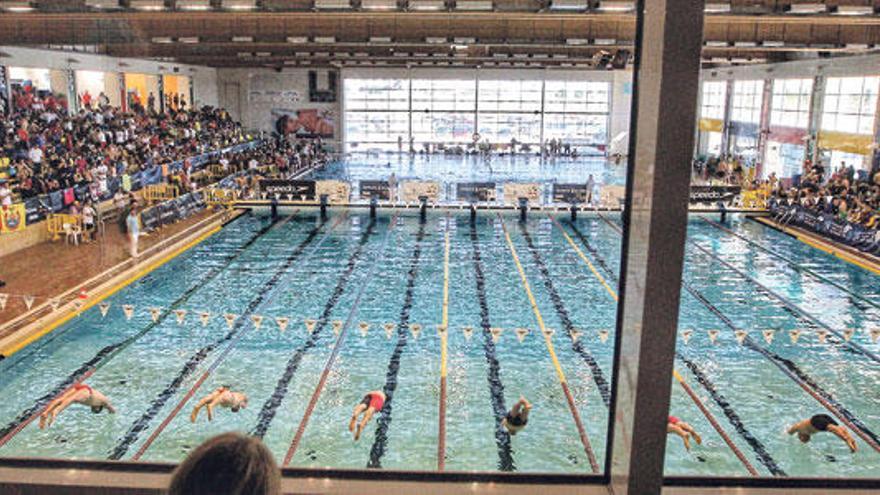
(228, 464)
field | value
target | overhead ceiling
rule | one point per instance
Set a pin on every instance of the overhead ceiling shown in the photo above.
(278, 33)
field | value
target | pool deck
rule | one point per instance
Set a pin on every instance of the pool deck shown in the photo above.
(850, 255)
(100, 268)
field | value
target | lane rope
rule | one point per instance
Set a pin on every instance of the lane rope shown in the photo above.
(444, 334)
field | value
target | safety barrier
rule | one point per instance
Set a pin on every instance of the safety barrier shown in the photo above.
(59, 224)
(158, 193)
(220, 197)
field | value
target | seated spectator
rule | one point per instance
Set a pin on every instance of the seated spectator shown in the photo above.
(228, 464)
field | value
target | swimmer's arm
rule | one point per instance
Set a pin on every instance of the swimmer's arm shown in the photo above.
(109, 406)
(795, 428)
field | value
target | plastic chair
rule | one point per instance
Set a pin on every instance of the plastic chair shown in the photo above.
(72, 231)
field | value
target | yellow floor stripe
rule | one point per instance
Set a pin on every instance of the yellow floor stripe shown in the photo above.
(12, 349)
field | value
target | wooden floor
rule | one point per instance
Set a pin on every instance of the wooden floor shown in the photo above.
(52, 268)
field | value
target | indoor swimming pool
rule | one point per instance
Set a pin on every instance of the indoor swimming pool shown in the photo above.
(306, 315)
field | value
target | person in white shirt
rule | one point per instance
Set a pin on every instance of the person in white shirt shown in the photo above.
(35, 155)
(5, 194)
(88, 216)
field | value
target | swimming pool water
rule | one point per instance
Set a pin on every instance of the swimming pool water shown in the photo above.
(302, 268)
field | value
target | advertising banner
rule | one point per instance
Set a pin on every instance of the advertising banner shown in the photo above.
(378, 189)
(301, 190)
(514, 191)
(826, 224)
(570, 193)
(475, 191)
(412, 191)
(714, 194)
(13, 218)
(337, 191)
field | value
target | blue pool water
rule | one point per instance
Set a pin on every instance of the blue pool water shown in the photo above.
(303, 269)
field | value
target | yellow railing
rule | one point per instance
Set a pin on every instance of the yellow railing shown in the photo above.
(220, 197)
(160, 192)
(55, 223)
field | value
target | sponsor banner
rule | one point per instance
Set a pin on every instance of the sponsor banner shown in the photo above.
(714, 194)
(337, 191)
(475, 191)
(13, 218)
(826, 224)
(411, 191)
(570, 193)
(379, 189)
(299, 190)
(514, 191)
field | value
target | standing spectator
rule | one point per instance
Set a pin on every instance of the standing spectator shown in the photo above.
(133, 226)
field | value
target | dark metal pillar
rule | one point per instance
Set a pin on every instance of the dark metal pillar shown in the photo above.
(668, 43)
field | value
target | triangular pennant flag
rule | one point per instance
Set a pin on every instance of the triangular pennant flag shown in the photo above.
(282, 322)
(230, 319)
(258, 321)
(28, 301)
(55, 302)
(848, 334)
(3, 299)
(154, 314)
(415, 329)
(740, 335)
(603, 336)
(794, 335)
(713, 335)
(363, 327)
(875, 334)
(521, 333)
(548, 332)
(496, 333)
(575, 334)
(768, 335)
(686, 336)
(389, 328)
(337, 326)
(204, 317)
(822, 334)
(310, 325)
(468, 332)
(441, 330)
(104, 307)
(181, 315)
(128, 309)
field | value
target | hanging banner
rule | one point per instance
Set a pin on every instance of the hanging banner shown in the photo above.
(379, 189)
(475, 191)
(711, 125)
(860, 144)
(337, 191)
(13, 218)
(298, 190)
(413, 190)
(570, 193)
(514, 191)
(852, 234)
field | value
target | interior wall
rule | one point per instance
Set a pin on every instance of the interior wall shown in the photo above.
(204, 78)
(259, 97)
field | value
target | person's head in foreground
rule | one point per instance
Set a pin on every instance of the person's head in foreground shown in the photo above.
(228, 464)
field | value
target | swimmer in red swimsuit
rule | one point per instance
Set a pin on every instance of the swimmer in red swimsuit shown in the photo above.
(372, 403)
(684, 430)
(78, 394)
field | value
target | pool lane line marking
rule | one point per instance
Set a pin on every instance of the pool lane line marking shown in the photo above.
(825, 247)
(183, 233)
(22, 343)
(270, 406)
(595, 252)
(265, 296)
(787, 303)
(189, 367)
(588, 449)
(734, 419)
(739, 455)
(310, 408)
(493, 366)
(384, 422)
(793, 372)
(601, 382)
(583, 257)
(444, 340)
(109, 352)
(791, 263)
(611, 224)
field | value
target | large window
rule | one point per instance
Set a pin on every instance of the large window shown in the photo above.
(747, 101)
(850, 104)
(714, 98)
(790, 106)
(381, 112)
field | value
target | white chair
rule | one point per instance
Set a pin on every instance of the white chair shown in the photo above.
(72, 231)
